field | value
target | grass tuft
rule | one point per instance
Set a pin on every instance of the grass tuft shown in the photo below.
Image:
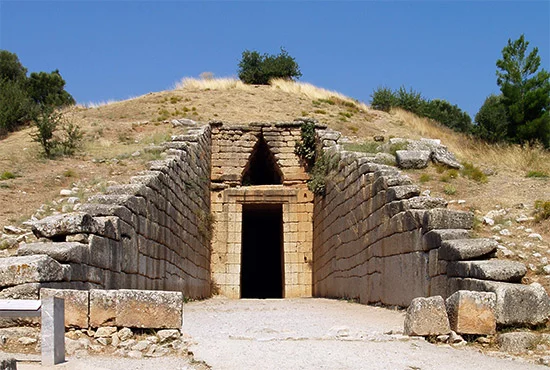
(7, 175)
(537, 174)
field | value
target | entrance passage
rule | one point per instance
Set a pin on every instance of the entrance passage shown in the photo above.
(262, 251)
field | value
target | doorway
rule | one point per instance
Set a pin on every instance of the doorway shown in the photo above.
(262, 251)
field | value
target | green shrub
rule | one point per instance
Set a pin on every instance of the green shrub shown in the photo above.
(473, 173)
(305, 148)
(383, 99)
(48, 89)
(397, 146)
(537, 174)
(491, 120)
(67, 140)
(449, 189)
(542, 210)
(424, 178)
(319, 173)
(16, 108)
(7, 175)
(447, 114)
(410, 100)
(260, 69)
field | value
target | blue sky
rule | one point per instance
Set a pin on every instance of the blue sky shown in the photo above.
(118, 49)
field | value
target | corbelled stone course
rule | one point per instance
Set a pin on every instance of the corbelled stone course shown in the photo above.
(29, 269)
(466, 249)
(498, 270)
(65, 224)
(61, 252)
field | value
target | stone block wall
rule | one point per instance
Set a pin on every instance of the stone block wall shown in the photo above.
(153, 233)
(371, 237)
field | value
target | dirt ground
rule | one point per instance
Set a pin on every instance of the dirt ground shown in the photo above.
(312, 333)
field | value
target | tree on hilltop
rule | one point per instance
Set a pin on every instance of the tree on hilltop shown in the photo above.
(525, 93)
(258, 69)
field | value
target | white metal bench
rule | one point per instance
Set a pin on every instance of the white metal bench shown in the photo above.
(52, 311)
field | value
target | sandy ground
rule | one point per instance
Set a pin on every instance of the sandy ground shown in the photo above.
(318, 334)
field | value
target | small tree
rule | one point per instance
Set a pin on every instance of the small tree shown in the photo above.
(49, 89)
(491, 120)
(46, 123)
(383, 99)
(11, 68)
(258, 69)
(16, 107)
(525, 93)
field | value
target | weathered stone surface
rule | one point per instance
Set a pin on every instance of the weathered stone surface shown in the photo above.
(124, 334)
(517, 304)
(168, 334)
(62, 252)
(472, 312)
(401, 192)
(105, 332)
(465, 249)
(76, 305)
(440, 218)
(149, 309)
(102, 307)
(412, 159)
(434, 238)
(427, 316)
(29, 269)
(65, 224)
(441, 155)
(517, 342)
(498, 270)
(423, 202)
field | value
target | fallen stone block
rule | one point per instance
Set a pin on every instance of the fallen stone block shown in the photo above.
(498, 270)
(517, 342)
(423, 202)
(76, 305)
(466, 249)
(472, 312)
(440, 218)
(427, 316)
(517, 304)
(401, 192)
(65, 224)
(441, 155)
(149, 309)
(102, 307)
(412, 159)
(29, 269)
(61, 252)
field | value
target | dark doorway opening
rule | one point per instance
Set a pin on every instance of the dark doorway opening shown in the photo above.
(262, 167)
(262, 251)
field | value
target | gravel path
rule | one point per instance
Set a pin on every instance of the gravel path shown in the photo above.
(318, 334)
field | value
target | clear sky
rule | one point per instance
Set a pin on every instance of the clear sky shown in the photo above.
(119, 49)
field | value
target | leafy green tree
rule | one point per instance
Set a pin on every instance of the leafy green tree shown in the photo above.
(46, 123)
(49, 89)
(525, 92)
(258, 69)
(16, 108)
(448, 114)
(11, 68)
(491, 120)
(383, 99)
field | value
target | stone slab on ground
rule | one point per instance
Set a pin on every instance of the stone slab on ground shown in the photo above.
(412, 159)
(29, 269)
(516, 305)
(76, 305)
(149, 309)
(427, 316)
(466, 249)
(517, 342)
(499, 270)
(472, 312)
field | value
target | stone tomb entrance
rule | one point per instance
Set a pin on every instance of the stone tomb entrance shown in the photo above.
(262, 267)
(263, 230)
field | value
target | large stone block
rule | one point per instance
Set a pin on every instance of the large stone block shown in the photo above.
(415, 159)
(498, 270)
(441, 218)
(102, 307)
(472, 312)
(76, 305)
(434, 238)
(62, 252)
(65, 224)
(149, 309)
(517, 304)
(465, 249)
(427, 316)
(29, 269)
